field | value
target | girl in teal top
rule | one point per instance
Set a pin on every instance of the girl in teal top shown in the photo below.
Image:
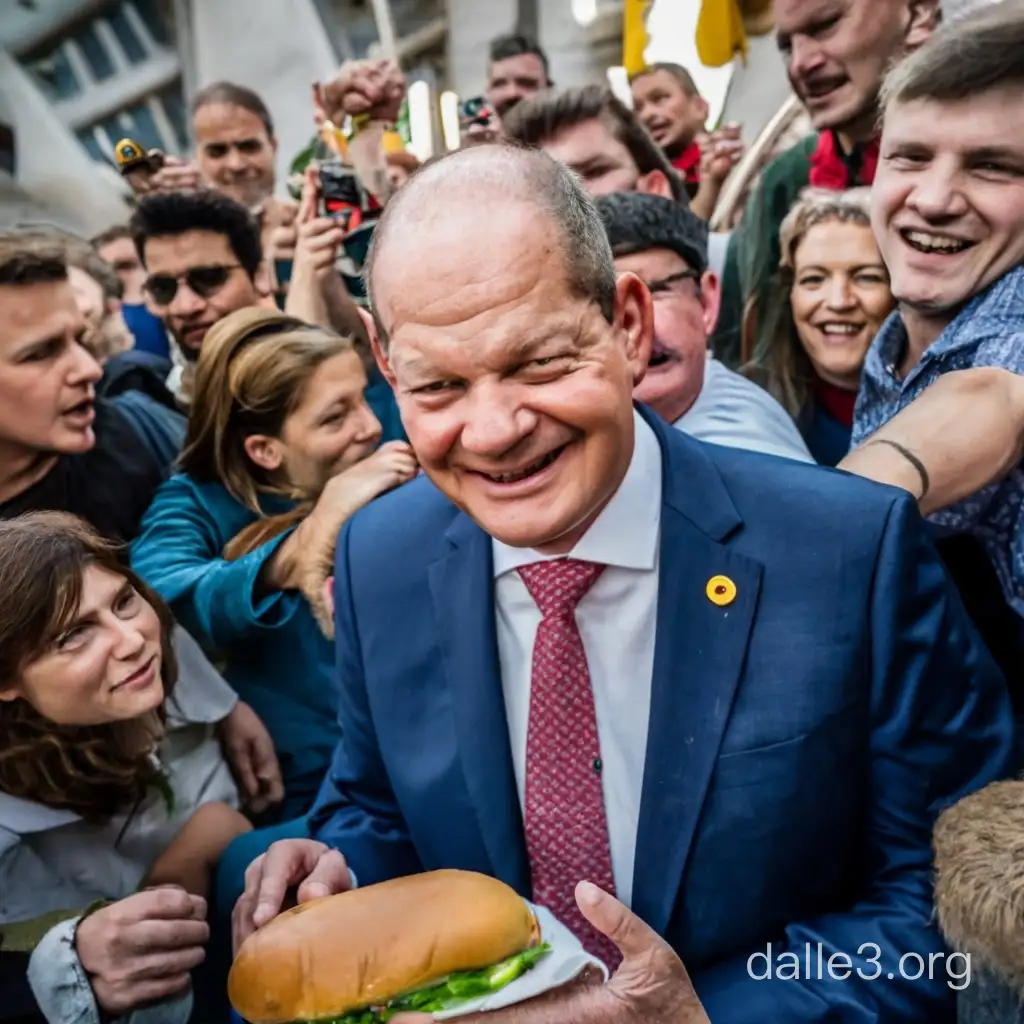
(280, 452)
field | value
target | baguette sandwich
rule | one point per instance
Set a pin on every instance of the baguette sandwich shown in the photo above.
(425, 943)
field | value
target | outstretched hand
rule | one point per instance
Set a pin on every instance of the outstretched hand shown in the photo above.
(651, 985)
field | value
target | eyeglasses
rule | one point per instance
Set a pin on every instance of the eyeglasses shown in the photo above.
(204, 281)
(663, 288)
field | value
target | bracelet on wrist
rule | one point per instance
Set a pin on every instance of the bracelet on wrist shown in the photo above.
(359, 123)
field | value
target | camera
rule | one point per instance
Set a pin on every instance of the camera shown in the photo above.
(476, 112)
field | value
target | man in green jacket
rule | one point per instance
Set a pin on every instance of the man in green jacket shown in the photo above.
(837, 53)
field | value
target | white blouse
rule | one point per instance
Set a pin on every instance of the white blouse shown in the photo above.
(52, 860)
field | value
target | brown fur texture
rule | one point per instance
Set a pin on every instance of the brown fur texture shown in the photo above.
(979, 879)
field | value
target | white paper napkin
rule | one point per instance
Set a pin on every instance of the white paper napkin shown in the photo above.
(564, 962)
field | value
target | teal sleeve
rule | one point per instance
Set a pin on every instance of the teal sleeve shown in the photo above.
(178, 552)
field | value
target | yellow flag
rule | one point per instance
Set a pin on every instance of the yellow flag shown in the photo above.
(634, 35)
(723, 28)
(720, 32)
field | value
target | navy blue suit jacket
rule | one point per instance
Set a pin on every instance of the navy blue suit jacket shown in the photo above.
(802, 739)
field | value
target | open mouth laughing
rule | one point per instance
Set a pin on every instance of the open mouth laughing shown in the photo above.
(838, 329)
(533, 469)
(820, 89)
(659, 129)
(661, 355)
(933, 243)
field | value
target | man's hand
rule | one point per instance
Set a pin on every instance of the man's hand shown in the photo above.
(651, 985)
(142, 948)
(374, 87)
(175, 175)
(318, 240)
(250, 752)
(720, 152)
(278, 229)
(312, 868)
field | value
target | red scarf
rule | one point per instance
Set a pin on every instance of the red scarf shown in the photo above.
(688, 164)
(837, 402)
(830, 170)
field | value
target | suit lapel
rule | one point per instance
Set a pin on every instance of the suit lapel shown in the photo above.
(462, 588)
(698, 659)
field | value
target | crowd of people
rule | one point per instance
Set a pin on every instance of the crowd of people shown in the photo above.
(526, 525)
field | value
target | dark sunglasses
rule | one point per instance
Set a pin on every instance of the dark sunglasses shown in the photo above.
(204, 281)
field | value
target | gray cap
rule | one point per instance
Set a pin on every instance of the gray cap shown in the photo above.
(637, 221)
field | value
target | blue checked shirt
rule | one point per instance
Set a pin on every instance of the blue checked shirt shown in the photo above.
(989, 331)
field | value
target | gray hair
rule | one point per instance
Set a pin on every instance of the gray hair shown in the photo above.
(977, 52)
(511, 173)
(821, 206)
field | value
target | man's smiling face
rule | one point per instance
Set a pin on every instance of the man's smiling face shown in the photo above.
(515, 391)
(948, 198)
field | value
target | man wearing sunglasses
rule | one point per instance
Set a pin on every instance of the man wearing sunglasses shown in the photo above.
(203, 261)
(666, 245)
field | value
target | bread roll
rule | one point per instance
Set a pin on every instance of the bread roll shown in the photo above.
(356, 949)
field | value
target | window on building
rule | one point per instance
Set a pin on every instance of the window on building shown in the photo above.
(87, 137)
(126, 36)
(95, 53)
(156, 122)
(174, 106)
(54, 74)
(158, 17)
(144, 127)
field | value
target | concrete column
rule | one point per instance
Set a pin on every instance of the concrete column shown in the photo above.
(758, 90)
(278, 49)
(472, 24)
(580, 55)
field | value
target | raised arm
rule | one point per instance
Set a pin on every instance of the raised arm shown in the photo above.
(962, 434)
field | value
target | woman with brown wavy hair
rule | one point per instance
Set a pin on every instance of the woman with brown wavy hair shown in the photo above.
(112, 779)
(281, 450)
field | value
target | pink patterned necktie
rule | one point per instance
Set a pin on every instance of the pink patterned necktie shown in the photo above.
(566, 827)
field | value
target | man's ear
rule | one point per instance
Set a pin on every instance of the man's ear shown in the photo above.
(924, 20)
(265, 452)
(703, 109)
(711, 300)
(634, 318)
(9, 694)
(655, 183)
(377, 347)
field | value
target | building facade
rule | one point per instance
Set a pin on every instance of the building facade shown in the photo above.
(78, 75)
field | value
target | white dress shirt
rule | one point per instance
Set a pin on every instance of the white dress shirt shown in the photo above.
(733, 411)
(616, 619)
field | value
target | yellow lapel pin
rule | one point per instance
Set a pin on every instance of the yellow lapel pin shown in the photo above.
(720, 590)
